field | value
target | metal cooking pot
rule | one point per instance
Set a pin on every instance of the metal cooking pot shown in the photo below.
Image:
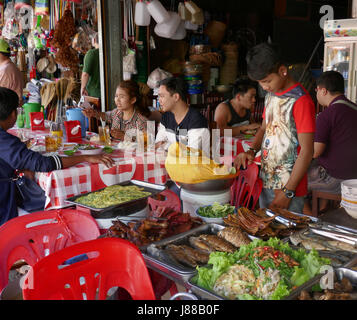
(209, 186)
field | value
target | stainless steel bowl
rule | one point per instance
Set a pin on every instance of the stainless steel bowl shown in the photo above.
(209, 186)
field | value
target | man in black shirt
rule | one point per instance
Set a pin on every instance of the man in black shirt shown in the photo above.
(235, 113)
(180, 123)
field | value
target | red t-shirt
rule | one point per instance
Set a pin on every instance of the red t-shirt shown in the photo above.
(304, 117)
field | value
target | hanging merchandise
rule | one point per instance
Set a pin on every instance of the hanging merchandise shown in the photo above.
(38, 35)
(22, 3)
(1, 12)
(128, 43)
(192, 7)
(167, 29)
(62, 40)
(81, 41)
(129, 59)
(11, 28)
(41, 7)
(183, 12)
(158, 12)
(180, 32)
(142, 15)
(52, 66)
(198, 18)
(156, 76)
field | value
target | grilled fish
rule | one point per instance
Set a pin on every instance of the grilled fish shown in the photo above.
(180, 255)
(234, 235)
(200, 256)
(218, 243)
(200, 244)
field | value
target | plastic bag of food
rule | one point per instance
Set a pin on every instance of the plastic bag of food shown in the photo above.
(189, 165)
(156, 76)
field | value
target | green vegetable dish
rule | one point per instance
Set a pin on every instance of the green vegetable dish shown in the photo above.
(261, 270)
(111, 196)
(216, 210)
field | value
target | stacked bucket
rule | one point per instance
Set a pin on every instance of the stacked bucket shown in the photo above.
(349, 197)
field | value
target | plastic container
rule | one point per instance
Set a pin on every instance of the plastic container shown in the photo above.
(76, 114)
(183, 12)
(180, 32)
(211, 220)
(192, 7)
(158, 12)
(349, 187)
(30, 107)
(142, 15)
(191, 201)
(167, 29)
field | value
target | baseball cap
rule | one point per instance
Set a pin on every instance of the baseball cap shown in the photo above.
(4, 46)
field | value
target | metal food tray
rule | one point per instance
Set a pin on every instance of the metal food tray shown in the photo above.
(340, 272)
(210, 295)
(148, 187)
(158, 258)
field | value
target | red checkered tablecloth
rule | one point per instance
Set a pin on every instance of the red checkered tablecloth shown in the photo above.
(60, 185)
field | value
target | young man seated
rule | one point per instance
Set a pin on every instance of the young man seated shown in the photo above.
(335, 152)
(179, 123)
(235, 113)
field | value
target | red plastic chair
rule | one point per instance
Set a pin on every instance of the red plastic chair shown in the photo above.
(246, 188)
(32, 237)
(112, 262)
(171, 201)
(160, 282)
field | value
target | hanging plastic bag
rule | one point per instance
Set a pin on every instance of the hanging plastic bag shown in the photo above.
(38, 35)
(156, 76)
(128, 43)
(10, 29)
(129, 59)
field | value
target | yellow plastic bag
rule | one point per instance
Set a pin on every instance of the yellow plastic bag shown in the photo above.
(189, 165)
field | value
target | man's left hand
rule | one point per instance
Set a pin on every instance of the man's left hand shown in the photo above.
(280, 200)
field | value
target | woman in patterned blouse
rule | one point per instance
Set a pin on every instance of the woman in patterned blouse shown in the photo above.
(131, 113)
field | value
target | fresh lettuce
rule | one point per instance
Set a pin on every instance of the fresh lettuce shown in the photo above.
(280, 291)
(312, 263)
(309, 266)
(299, 277)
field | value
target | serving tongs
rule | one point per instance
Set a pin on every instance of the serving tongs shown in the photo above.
(286, 222)
(133, 218)
(340, 236)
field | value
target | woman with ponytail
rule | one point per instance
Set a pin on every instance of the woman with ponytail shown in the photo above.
(131, 112)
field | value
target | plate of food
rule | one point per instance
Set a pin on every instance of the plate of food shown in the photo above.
(88, 149)
(215, 213)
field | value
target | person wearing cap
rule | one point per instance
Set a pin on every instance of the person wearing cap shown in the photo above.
(90, 80)
(10, 76)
